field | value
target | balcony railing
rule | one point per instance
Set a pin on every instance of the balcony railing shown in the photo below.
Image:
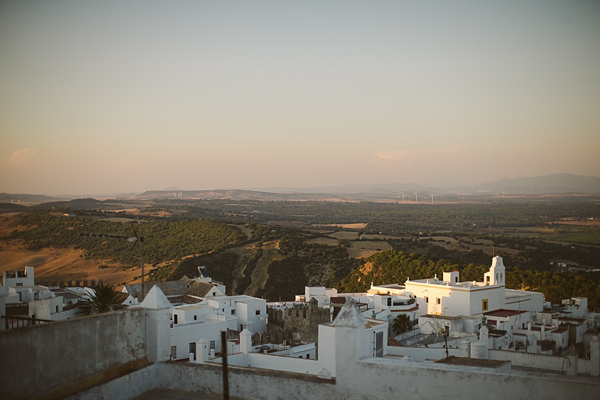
(21, 322)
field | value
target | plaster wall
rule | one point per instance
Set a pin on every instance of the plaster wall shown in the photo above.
(421, 353)
(384, 378)
(36, 355)
(282, 363)
(531, 360)
(158, 340)
(524, 300)
(182, 335)
(326, 353)
(23, 278)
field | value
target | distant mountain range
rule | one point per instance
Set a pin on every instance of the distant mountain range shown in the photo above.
(555, 184)
(547, 184)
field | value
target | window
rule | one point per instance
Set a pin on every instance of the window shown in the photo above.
(56, 308)
(192, 348)
(438, 301)
(257, 312)
(195, 317)
(212, 345)
(173, 352)
(426, 299)
(175, 319)
(19, 284)
(484, 304)
(456, 279)
(232, 312)
(389, 301)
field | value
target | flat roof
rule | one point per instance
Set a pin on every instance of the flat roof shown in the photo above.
(503, 313)
(464, 286)
(580, 320)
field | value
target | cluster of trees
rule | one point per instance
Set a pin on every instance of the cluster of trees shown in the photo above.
(163, 240)
(396, 267)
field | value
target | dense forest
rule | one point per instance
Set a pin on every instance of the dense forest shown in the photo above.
(396, 267)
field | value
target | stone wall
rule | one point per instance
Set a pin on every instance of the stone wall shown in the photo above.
(300, 324)
(39, 359)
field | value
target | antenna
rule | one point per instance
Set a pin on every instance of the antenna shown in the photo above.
(135, 239)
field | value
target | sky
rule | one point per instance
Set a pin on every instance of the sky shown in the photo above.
(119, 96)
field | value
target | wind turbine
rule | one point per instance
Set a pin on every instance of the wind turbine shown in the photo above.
(403, 197)
(133, 239)
(432, 198)
(417, 197)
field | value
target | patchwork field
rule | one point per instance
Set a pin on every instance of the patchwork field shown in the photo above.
(324, 241)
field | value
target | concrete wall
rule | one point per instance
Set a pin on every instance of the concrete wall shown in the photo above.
(37, 360)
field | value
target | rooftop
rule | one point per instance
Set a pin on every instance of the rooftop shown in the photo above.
(503, 313)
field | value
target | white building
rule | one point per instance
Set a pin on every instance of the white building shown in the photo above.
(449, 296)
(249, 311)
(41, 302)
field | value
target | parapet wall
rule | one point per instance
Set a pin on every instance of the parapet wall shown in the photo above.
(41, 359)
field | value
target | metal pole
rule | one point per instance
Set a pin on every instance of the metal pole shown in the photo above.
(224, 357)
(142, 240)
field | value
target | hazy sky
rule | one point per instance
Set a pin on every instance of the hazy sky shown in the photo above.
(122, 96)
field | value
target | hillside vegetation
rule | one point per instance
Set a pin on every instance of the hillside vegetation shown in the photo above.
(164, 240)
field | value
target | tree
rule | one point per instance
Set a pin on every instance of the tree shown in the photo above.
(105, 299)
(401, 324)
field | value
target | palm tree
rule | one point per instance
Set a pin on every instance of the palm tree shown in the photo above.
(401, 324)
(105, 299)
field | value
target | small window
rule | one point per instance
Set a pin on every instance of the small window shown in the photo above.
(192, 348)
(438, 301)
(389, 301)
(175, 319)
(19, 284)
(232, 312)
(212, 345)
(195, 317)
(56, 308)
(173, 352)
(257, 312)
(456, 279)
(426, 299)
(484, 304)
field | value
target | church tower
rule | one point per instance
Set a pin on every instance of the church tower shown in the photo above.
(496, 275)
